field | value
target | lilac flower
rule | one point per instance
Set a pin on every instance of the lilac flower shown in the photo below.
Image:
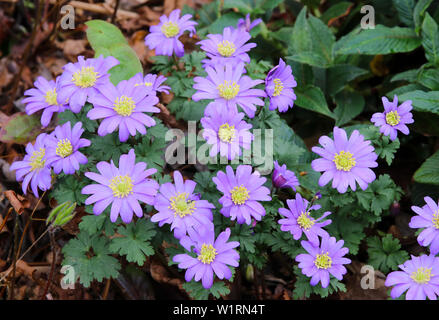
(393, 118)
(123, 107)
(247, 24)
(213, 256)
(279, 85)
(298, 220)
(227, 85)
(345, 161)
(226, 132)
(164, 36)
(62, 148)
(428, 218)
(43, 97)
(179, 206)
(242, 193)
(83, 79)
(35, 167)
(419, 277)
(152, 83)
(229, 47)
(283, 178)
(122, 187)
(322, 261)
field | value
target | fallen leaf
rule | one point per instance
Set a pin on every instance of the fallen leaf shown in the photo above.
(19, 128)
(18, 202)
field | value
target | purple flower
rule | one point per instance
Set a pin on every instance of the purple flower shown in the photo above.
(164, 36)
(428, 218)
(242, 193)
(419, 277)
(279, 85)
(62, 148)
(35, 167)
(322, 261)
(298, 220)
(152, 83)
(345, 161)
(179, 206)
(83, 79)
(123, 107)
(227, 85)
(229, 47)
(226, 132)
(247, 24)
(393, 118)
(43, 97)
(213, 256)
(283, 178)
(122, 187)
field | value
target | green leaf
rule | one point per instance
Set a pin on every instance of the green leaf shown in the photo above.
(95, 224)
(385, 254)
(312, 98)
(197, 292)
(87, 124)
(104, 34)
(335, 11)
(312, 41)
(303, 288)
(243, 6)
(106, 39)
(150, 150)
(409, 75)
(340, 75)
(405, 10)
(422, 101)
(108, 147)
(349, 105)
(90, 257)
(419, 12)
(381, 40)
(430, 39)
(429, 171)
(226, 20)
(68, 188)
(244, 235)
(284, 34)
(19, 128)
(134, 243)
(429, 78)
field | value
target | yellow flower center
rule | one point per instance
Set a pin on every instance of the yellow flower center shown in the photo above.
(393, 118)
(146, 84)
(344, 161)
(36, 160)
(85, 78)
(207, 254)
(323, 261)
(181, 206)
(51, 97)
(124, 106)
(121, 186)
(64, 148)
(228, 90)
(436, 219)
(422, 275)
(226, 48)
(304, 221)
(170, 29)
(239, 195)
(226, 133)
(278, 87)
